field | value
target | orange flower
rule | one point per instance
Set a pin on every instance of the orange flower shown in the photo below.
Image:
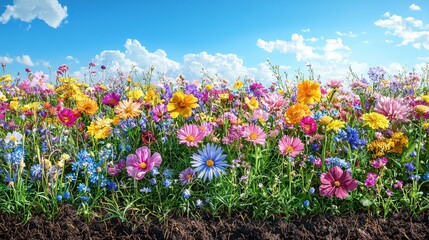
(182, 104)
(296, 112)
(308, 92)
(87, 106)
(128, 109)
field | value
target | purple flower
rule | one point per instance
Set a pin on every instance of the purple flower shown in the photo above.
(371, 179)
(142, 162)
(186, 176)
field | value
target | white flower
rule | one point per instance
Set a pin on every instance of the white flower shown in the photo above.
(15, 137)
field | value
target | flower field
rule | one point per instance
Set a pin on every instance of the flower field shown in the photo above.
(132, 143)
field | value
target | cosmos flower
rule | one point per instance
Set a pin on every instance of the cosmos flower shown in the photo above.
(142, 162)
(210, 162)
(190, 134)
(336, 182)
(290, 146)
(182, 104)
(254, 134)
(308, 92)
(128, 109)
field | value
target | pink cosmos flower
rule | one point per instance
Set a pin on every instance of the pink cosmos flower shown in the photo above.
(260, 115)
(114, 169)
(273, 102)
(190, 134)
(142, 162)
(308, 125)
(371, 179)
(395, 109)
(290, 146)
(336, 182)
(254, 134)
(67, 117)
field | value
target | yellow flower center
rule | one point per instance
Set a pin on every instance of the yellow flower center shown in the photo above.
(143, 165)
(128, 109)
(66, 119)
(289, 149)
(253, 136)
(337, 183)
(209, 163)
(190, 138)
(188, 176)
(13, 138)
(159, 114)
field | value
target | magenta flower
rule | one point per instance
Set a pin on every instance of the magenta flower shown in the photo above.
(142, 162)
(290, 146)
(254, 134)
(111, 99)
(379, 162)
(308, 125)
(159, 113)
(395, 109)
(371, 179)
(336, 182)
(190, 134)
(67, 117)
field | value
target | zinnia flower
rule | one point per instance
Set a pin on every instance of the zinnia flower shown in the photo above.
(209, 162)
(296, 112)
(254, 134)
(336, 182)
(375, 120)
(67, 117)
(273, 102)
(112, 99)
(290, 146)
(308, 92)
(142, 162)
(190, 134)
(182, 104)
(308, 125)
(128, 109)
(87, 106)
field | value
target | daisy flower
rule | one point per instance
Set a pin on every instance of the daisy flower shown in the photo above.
(254, 134)
(290, 146)
(209, 162)
(190, 134)
(14, 137)
(128, 109)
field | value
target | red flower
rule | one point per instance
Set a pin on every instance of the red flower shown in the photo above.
(148, 137)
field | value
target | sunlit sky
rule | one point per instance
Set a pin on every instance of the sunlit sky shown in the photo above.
(230, 38)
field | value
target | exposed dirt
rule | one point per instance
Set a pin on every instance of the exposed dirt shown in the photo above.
(68, 225)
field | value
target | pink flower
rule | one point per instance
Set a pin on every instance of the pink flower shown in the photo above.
(190, 134)
(336, 182)
(273, 102)
(142, 162)
(254, 134)
(398, 184)
(379, 162)
(112, 99)
(67, 117)
(159, 113)
(290, 146)
(395, 109)
(308, 125)
(114, 169)
(260, 115)
(371, 179)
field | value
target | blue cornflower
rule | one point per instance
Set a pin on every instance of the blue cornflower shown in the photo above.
(166, 183)
(186, 193)
(209, 162)
(152, 181)
(146, 190)
(36, 172)
(66, 195)
(154, 171)
(84, 198)
(82, 188)
(112, 186)
(199, 203)
(409, 167)
(167, 173)
(336, 161)
(311, 190)
(306, 203)
(59, 198)
(425, 176)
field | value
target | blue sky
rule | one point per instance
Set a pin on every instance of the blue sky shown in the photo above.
(230, 38)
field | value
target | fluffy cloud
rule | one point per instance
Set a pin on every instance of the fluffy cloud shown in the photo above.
(26, 60)
(409, 29)
(49, 11)
(6, 60)
(346, 34)
(71, 58)
(414, 7)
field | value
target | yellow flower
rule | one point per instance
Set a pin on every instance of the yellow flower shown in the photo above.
(2, 97)
(6, 78)
(400, 142)
(426, 98)
(426, 125)
(135, 94)
(87, 106)
(152, 97)
(129, 79)
(421, 109)
(296, 112)
(116, 120)
(209, 86)
(238, 84)
(100, 129)
(128, 109)
(325, 120)
(14, 105)
(102, 86)
(308, 92)
(224, 96)
(252, 103)
(335, 125)
(375, 120)
(182, 104)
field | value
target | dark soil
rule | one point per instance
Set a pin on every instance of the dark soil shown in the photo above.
(69, 225)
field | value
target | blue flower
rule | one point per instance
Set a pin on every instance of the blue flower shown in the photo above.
(59, 198)
(166, 183)
(409, 167)
(84, 198)
(186, 193)
(36, 172)
(311, 190)
(167, 173)
(82, 188)
(199, 203)
(152, 181)
(112, 186)
(209, 162)
(66, 195)
(306, 203)
(146, 190)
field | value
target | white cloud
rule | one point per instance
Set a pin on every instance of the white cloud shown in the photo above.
(71, 58)
(409, 29)
(313, 39)
(49, 11)
(424, 59)
(25, 60)
(346, 34)
(6, 60)
(388, 41)
(365, 42)
(414, 7)
(305, 30)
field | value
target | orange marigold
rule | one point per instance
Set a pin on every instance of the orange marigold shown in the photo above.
(296, 112)
(308, 92)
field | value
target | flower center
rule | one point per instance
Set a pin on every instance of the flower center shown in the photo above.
(190, 138)
(253, 136)
(188, 176)
(182, 104)
(13, 138)
(209, 163)
(159, 114)
(289, 149)
(128, 110)
(143, 165)
(337, 183)
(307, 128)
(66, 119)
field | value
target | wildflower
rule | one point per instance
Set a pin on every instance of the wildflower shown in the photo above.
(335, 125)
(306, 203)
(167, 173)
(36, 172)
(87, 106)
(82, 188)
(142, 162)
(238, 84)
(421, 109)
(209, 162)
(325, 120)
(379, 162)
(128, 109)
(112, 186)
(146, 190)
(409, 167)
(67, 117)
(336, 182)
(308, 92)
(59, 198)
(252, 103)
(296, 112)
(166, 183)
(199, 203)
(152, 181)
(14, 137)
(395, 109)
(135, 94)
(159, 112)
(148, 137)
(290, 146)
(182, 104)
(398, 184)
(186, 176)
(351, 136)
(375, 120)
(66, 195)
(371, 179)
(186, 193)
(273, 102)
(190, 134)
(308, 125)
(311, 190)
(111, 99)
(254, 134)
(100, 129)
